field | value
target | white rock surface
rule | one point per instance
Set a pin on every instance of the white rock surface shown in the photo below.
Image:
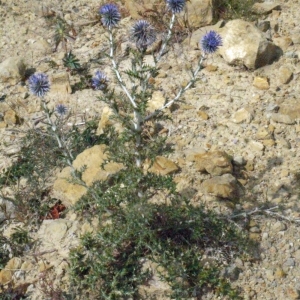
(244, 44)
(12, 70)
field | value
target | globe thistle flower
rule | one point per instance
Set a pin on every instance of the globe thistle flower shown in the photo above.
(143, 34)
(210, 42)
(176, 6)
(110, 15)
(61, 109)
(99, 81)
(39, 84)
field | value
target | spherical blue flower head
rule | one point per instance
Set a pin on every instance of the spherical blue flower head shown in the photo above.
(61, 110)
(99, 81)
(39, 84)
(210, 42)
(143, 34)
(110, 15)
(176, 6)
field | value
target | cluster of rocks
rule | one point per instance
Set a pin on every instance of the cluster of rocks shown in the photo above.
(235, 137)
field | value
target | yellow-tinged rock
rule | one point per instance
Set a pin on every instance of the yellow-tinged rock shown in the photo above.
(10, 117)
(90, 161)
(43, 266)
(293, 292)
(268, 143)
(285, 75)
(157, 101)
(156, 288)
(12, 70)
(242, 115)
(254, 236)
(105, 119)
(283, 42)
(161, 166)
(213, 162)
(7, 273)
(203, 115)
(60, 84)
(225, 186)
(69, 193)
(279, 273)
(211, 68)
(261, 83)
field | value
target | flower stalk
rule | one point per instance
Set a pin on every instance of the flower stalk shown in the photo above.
(144, 35)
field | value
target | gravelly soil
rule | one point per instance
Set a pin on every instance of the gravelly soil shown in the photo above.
(270, 175)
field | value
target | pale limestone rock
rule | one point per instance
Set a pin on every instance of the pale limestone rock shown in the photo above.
(7, 273)
(238, 160)
(249, 166)
(283, 42)
(44, 266)
(283, 143)
(285, 75)
(264, 133)
(90, 157)
(265, 7)
(279, 273)
(161, 166)
(7, 210)
(12, 150)
(157, 101)
(255, 236)
(225, 186)
(190, 153)
(69, 193)
(268, 142)
(214, 162)
(262, 83)
(41, 46)
(296, 40)
(279, 226)
(60, 84)
(256, 146)
(199, 12)
(291, 108)
(244, 44)
(54, 230)
(293, 292)
(105, 119)
(12, 70)
(90, 160)
(282, 118)
(242, 115)
(133, 7)
(10, 117)
(27, 265)
(203, 115)
(211, 68)
(155, 288)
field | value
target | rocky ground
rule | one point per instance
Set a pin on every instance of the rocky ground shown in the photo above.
(237, 133)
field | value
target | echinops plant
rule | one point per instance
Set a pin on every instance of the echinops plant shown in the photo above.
(133, 229)
(143, 35)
